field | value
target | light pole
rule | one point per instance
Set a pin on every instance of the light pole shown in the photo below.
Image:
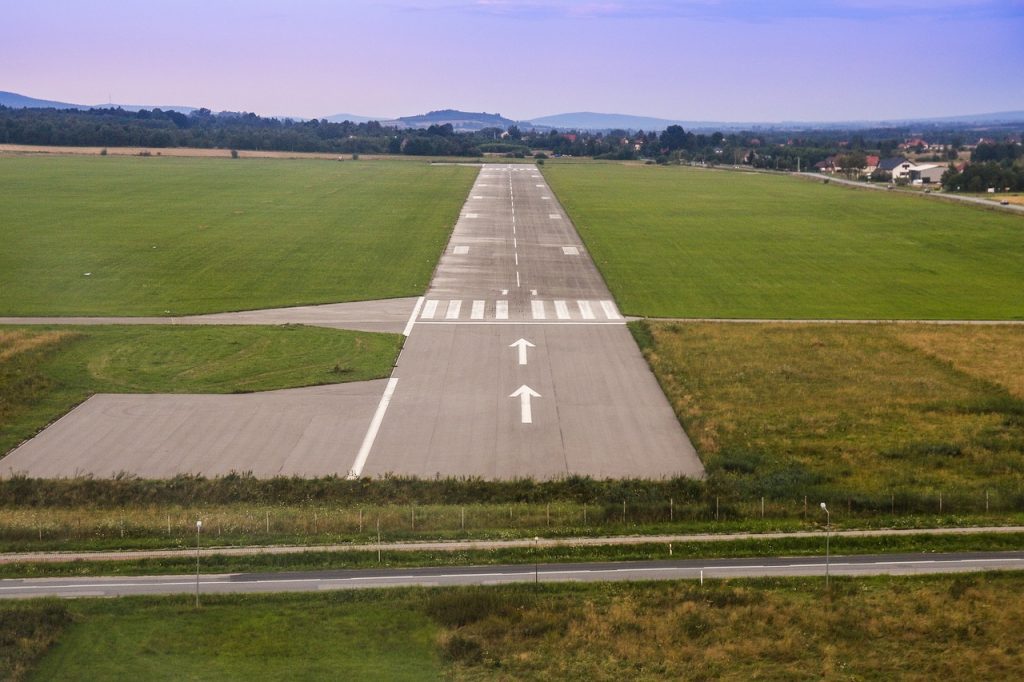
(536, 568)
(199, 527)
(828, 528)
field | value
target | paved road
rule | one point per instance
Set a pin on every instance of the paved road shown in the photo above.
(486, 545)
(575, 396)
(312, 581)
(389, 315)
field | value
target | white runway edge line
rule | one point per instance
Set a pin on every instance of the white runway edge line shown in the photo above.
(412, 318)
(371, 433)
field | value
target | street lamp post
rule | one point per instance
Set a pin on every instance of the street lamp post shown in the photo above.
(199, 527)
(536, 568)
(828, 529)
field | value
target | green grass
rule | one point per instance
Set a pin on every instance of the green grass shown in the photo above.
(848, 411)
(933, 627)
(45, 371)
(206, 235)
(337, 637)
(312, 559)
(682, 242)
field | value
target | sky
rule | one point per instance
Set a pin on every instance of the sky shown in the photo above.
(713, 60)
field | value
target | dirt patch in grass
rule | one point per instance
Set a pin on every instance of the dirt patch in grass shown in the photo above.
(17, 341)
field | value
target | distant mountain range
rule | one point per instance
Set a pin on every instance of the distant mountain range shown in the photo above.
(464, 121)
(16, 101)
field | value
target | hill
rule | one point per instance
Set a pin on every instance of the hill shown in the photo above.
(16, 101)
(461, 121)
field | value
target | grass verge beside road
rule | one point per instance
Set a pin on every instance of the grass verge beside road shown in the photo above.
(179, 236)
(45, 371)
(313, 559)
(867, 628)
(684, 242)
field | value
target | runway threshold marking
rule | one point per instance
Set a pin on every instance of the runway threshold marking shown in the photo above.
(501, 310)
(454, 306)
(525, 394)
(478, 311)
(429, 310)
(371, 432)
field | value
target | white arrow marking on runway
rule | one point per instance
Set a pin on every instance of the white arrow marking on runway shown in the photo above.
(522, 344)
(525, 393)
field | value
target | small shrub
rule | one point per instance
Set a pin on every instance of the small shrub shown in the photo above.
(540, 155)
(234, 153)
(463, 649)
(355, 156)
(103, 152)
(540, 162)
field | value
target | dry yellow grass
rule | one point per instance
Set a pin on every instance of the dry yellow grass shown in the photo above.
(865, 409)
(995, 354)
(886, 628)
(18, 341)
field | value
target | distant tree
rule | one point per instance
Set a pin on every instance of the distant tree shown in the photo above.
(514, 133)
(673, 137)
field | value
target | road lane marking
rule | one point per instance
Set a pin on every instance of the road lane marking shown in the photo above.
(610, 311)
(569, 251)
(453, 310)
(478, 311)
(533, 292)
(413, 316)
(460, 250)
(522, 345)
(429, 309)
(371, 433)
(525, 393)
(501, 310)
(517, 279)
(585, 310)
(561, 310)
(538, 310)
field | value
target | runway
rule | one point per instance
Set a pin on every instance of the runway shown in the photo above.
(695, 569)
(518, 363)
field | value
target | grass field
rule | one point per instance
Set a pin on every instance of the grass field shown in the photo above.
(870, 410)
(923, 628)
(183, 235)
(335, 637)
(45, 371)
(683, 242)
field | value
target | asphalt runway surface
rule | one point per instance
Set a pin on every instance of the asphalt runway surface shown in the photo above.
(691, 569)
(296, 432)
(517, 364)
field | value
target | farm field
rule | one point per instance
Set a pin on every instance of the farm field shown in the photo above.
(873, 628)
(45, 371)
(685, 242)
(868, 411)
(177, 236)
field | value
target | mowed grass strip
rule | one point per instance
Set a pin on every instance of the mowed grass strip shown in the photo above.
(787, 409)
(207, 235)
(309, 637)
(684, 242)
(933, 627)
(45, 371)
